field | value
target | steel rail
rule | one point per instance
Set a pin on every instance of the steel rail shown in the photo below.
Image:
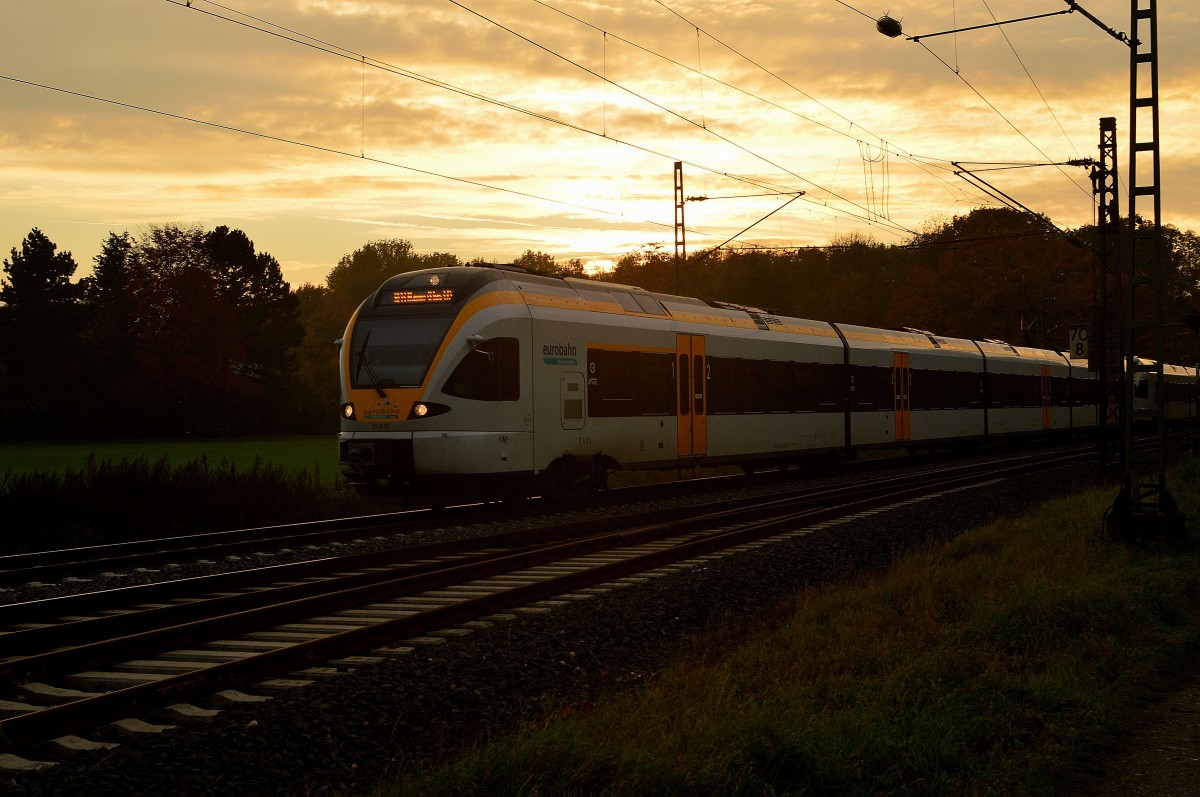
(696, 539)
(157, 592)
(59, 563)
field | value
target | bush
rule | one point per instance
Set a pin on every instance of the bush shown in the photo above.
(109, 501)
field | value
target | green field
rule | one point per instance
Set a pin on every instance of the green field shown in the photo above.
(313, 454)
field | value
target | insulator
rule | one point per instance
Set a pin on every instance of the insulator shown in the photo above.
(889, 27)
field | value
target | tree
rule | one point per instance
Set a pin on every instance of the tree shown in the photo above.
(38, 276)
(109, 282)
(650, 267)
(572, 268)
(39, 328)
(996, 273)
(317, 365)
(107, 341)
(537, 262)
(211, 329)
(360, 273)
(268, 318)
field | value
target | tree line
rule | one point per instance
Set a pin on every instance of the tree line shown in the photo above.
(184, 331)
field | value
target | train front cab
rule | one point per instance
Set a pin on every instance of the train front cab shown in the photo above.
(436, 385)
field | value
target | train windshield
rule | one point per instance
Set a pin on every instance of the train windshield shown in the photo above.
(395, 352)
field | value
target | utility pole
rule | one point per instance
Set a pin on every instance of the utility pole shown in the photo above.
(1106, 358)
(1145, 508)
(680, 245)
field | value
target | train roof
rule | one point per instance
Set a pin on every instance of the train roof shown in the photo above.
(454, 284)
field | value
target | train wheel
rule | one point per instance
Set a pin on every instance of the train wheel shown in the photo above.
(568, 477)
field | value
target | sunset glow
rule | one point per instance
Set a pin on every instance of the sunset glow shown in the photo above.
(490, 128)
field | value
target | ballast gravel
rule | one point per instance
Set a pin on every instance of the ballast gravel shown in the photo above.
(348, 734)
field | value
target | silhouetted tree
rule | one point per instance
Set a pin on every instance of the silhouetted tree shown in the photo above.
(360, 273)
(108, 341)
(38, 276)
(206, 327)
(39, 329)
(317, 368)
(996, 273)
(650, 267)
(268, 323)
(538, 262)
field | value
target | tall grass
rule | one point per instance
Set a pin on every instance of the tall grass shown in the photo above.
(1005, 662)
(108, 501)
(315, 452)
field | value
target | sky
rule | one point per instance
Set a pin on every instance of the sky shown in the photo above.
(486, 128)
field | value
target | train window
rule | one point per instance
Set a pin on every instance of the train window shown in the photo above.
(830, 386)
(395, 352)
(871, 388)
(489, 372)
(656, 384)
(944, 390)
(1059, 395)
(722, 386)
(752, 385)
(649, 304)
(698, 386)
(779, 387)
(685, 386)
(738, 386)
(999, 390)
(928, 390)
(626, 301)
(625, 384)
(860, 391)
(803, 398)
(612, 382)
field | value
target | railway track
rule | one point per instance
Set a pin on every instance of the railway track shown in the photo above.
(84, 561)
(89, 561)
(73, 663)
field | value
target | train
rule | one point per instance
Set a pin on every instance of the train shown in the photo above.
(470, 382)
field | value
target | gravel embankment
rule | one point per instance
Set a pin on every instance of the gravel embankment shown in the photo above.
(345, 734)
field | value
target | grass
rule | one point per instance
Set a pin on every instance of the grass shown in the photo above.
(1006, 662)
(58, 495)
(317, 454)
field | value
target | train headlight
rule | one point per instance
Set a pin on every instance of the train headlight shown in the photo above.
(348, 411)
(426, 409)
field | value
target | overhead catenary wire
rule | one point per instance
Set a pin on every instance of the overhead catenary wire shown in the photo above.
(883, 142)
(1032, 82)
(317, 147)
(364, 61)
(957, 72)
(336, 50)
(989, 103)
(867, 215)
(919, 160)
(670, 111)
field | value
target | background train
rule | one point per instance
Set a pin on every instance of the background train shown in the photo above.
(471, 381)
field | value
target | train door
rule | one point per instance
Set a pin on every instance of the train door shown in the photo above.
(1047, 409)
(901, 387)
(692, 406)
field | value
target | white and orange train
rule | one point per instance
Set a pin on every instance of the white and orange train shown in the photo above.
(490, 381)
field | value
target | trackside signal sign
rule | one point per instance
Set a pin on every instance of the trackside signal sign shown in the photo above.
(1079, 343)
